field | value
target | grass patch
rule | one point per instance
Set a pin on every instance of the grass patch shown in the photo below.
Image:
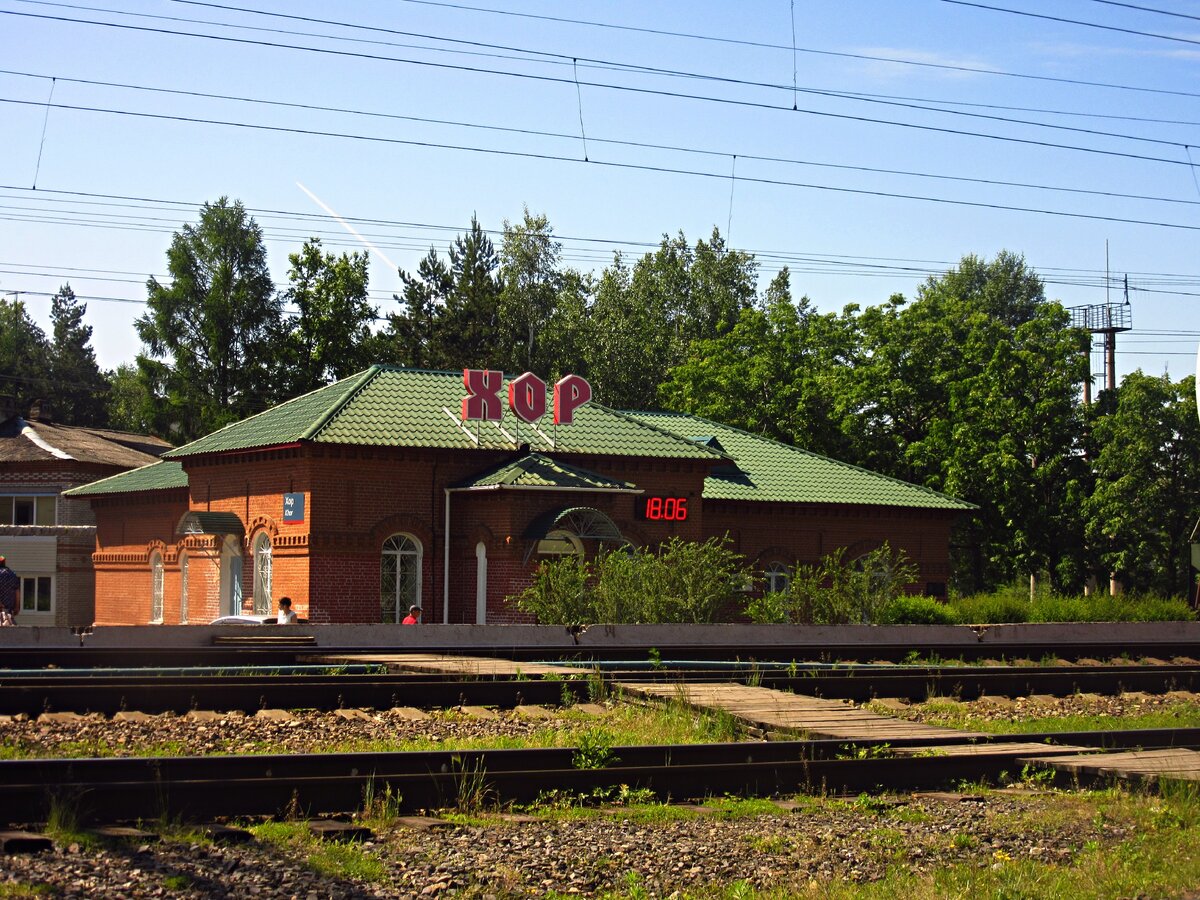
(953, 714)
(626, 723)
(335, 859)
(16, 889)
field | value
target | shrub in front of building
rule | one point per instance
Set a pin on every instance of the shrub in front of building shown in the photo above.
(1008, 605)
(684, 582)
(837, 591)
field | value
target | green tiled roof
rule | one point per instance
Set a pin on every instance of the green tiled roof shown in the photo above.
(157, 476)
(537, 471)
(767, 470)
(391, 407)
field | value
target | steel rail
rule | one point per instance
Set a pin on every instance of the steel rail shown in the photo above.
(192, 788)
(108, 694)
(265, 654)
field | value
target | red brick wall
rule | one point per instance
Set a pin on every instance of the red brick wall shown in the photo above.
(355, 498)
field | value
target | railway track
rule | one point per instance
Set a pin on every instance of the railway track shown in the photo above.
(264, 649)
(239, 689)
(98, 791)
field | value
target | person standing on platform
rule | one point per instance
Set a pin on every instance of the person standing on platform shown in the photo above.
(10, 585)
(413, 617)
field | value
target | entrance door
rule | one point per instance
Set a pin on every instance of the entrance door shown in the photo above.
(231, 576)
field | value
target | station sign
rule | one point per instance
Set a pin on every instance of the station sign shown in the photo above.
(293, 508)
(526, 396)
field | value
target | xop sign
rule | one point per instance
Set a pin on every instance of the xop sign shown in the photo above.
(526, 396)
(661, 509)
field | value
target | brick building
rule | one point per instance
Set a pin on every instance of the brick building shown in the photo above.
(378, 491)
(47, 537)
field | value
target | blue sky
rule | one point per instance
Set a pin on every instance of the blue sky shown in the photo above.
(873, 85)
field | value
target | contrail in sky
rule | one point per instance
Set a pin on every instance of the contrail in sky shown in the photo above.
(350, 228)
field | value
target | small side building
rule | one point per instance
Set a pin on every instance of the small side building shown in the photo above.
(47, 537)
(380, 491)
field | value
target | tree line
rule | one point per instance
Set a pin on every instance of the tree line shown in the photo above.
(972, 387)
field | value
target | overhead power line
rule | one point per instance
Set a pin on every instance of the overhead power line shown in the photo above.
(1063, 20)
(644, 145)
(628, 166)
(976, 70)
(653, 91)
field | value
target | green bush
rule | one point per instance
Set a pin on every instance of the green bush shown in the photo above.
(683, 582)
(990, 609)
(1012, 604)
(837, 591)
(910, 610)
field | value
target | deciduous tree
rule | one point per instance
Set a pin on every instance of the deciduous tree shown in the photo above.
(212, 335)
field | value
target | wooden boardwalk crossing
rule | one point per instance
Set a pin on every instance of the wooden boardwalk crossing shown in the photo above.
(794, 713)
(449, 665)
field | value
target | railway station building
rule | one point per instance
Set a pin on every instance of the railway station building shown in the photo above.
(395, 487)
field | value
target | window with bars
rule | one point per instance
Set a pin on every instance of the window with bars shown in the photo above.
(262, 574)
(156, 588)
(399, 577)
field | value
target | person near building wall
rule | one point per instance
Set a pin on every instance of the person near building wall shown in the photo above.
(10, 584)
(413, 617)
(287, 615)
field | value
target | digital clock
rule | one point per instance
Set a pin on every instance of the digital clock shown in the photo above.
(661, 509)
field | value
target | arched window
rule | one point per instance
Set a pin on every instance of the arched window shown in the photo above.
(156, 588)
(399, 577)
(183, 588)
(560, 542)
(776, 578)
(262, 574)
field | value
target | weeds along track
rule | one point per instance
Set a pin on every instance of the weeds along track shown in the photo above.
(98, 691)
(95, 791)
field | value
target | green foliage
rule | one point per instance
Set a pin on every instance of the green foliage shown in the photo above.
(1012, 604)
(211, 336)
(682, 582)
(78, 388)
(1141, 512)
(839, 591)
(594, 750)
(24, 354)
(327, 339)
(909, 610)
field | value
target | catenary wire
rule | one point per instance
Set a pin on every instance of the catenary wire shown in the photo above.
(644, 145)
(628, 166)
(677, 95)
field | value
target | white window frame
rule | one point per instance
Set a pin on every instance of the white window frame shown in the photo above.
(262, 573)
(21, 594)
(776, 578)
(157, 577)
(398, 549)
(8, 507)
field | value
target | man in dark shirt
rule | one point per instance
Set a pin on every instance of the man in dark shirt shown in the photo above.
(9, 585)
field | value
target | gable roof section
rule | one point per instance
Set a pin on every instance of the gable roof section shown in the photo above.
(23, 440)
(769, 471)
(158, 476)
(537, 472)
(390, 407)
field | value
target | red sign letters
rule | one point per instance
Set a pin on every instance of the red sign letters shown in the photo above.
(526, 396)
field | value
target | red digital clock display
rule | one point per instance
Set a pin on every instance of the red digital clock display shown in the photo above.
(662, 509)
